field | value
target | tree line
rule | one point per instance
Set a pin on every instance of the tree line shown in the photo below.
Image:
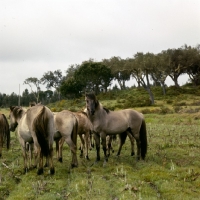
(146, 69)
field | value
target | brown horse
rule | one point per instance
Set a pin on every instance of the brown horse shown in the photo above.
(35, 127)
(106, 122)
(4, 132)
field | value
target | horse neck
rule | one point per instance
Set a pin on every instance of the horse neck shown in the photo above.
(99, 114)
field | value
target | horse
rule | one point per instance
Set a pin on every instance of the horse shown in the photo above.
(83, 127)
(66, 126)
(36, 128)
(85, 132)
(106, 122)
(4, 132)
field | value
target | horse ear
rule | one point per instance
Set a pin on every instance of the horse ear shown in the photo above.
(12, 107)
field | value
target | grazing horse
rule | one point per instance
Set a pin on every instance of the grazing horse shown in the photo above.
(106, 122)
(66, 125)
(4, 132)
(76, 123)
(35, 127)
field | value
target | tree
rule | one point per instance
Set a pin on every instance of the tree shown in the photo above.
(119, 70)
(34, 82)
(158, 72)
(141, 66)
(176, 65)
(71, 88)
(192, 63)
(93, 76)
(53, 79)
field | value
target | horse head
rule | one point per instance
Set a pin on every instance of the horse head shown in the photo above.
(15, 114)
(91, 103)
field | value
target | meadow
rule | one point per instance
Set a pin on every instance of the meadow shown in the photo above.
(171, 169)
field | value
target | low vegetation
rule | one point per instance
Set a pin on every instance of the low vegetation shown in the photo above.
(170, 170)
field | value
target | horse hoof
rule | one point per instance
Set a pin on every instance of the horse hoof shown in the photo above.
(60, 160)
(40, 171)
(52, 170)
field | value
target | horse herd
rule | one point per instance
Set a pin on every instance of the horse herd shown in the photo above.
(39, 127)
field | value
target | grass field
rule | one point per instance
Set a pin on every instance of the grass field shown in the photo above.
(171, 169)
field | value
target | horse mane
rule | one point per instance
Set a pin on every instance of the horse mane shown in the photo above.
(84, 113)
(106, 109)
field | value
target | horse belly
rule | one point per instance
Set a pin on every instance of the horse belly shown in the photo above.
(24, 131)
(116, 126)
(26, 136)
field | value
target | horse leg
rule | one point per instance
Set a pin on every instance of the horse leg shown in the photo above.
(109, 145)
(82, 144)
(103, 138)
(60, 149)
(40, 169)
(52, 169)
(122, 139)
(38, 157)
(87, 142)
(132, 144)
(31, 150)
(1, 144)
(24, 153)
(97, 142)
(91, 140)
(73, 148)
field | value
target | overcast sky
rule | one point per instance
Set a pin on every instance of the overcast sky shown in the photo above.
(37, 36)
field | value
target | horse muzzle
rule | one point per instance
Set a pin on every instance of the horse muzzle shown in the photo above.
(12, 127)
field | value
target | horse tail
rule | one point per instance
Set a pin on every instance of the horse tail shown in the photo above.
(6, 131)
(40, 125)
(143, 139)
(74, 132)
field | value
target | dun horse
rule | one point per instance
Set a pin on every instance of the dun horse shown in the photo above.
(66, 126)
(106, 122)
(35, 127)
(4, 132)
(76, 123)
(84, 130)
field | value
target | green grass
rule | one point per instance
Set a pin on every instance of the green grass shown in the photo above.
(170, 170)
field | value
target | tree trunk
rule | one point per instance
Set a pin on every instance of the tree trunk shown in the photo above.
(163, 87)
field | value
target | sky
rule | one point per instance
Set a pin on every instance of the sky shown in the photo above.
(37, 36)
